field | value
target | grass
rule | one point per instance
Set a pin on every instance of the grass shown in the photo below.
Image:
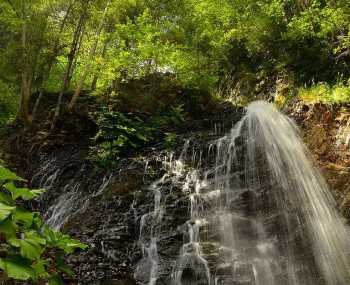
(325, 93)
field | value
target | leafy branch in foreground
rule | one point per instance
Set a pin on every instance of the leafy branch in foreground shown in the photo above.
(29, 249)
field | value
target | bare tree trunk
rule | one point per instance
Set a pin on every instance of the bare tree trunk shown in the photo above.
(51, 60)
(37, 103)
(71, 56)
(25, 99)
(79, 45)
(25, 78)
(95, 79)
(88, 65)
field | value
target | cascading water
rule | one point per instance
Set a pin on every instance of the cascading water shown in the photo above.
(261, 215)
(148, 266)
(248, 208)
(300, 198)
(72, 199)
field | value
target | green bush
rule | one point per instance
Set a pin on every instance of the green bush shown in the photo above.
(174, 116)
(29, 249)
(325, 93)
(118, 134)
(122, 133)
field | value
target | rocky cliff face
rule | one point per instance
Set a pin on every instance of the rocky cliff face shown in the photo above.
(106, 208)
(325, 129)
(113, 211)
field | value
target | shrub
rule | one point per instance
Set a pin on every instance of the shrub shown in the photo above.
(29, 249)
(120, 133)
(325, 93)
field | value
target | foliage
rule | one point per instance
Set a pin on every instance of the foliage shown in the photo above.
(29, 249)
(61, 46)
(120, 133)
(323, 92)
(174, 116)
(170, 140)
(8, 103)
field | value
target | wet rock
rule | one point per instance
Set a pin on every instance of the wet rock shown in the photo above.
(324, 130)
(109, 205)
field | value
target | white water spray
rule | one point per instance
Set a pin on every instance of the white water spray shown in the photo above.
(276, 220)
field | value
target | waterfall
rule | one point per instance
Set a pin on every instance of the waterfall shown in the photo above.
(301, 197)
(148, 267)
(260, 212)
(244, 207)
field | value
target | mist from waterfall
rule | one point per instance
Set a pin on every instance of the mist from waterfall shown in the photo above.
(262, 214)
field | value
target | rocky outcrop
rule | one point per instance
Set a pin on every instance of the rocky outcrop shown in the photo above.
(325, 129)
(104, 208)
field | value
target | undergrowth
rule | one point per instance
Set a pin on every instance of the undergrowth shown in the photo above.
(29, 249)
(120, 134)
(325, 93)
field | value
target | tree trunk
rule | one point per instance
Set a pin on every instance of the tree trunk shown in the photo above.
(79, 45)
(95, 79)
(88, 65)
(52, 58)
(37, 103)
(71, 56)
(25, 99)
(25, 78)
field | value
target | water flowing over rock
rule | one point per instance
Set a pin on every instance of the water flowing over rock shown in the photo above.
(260, 215)
(244, 207)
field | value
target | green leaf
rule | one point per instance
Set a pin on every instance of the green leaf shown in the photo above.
(50, 235)
(56, 280)
(19, 192)
(6, 198)
(34, 237)
(23, 216)
(105, 145)
(30, 250)
(17, 267)
(5, 211)
(24, 193)
(141, 137)
(38, 192)
(37, 221)
(30, 246)
(15, 242)
(62, 241)
(9, 228)
(6, 175)
(40, 268)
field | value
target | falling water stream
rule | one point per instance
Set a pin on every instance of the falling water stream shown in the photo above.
(260, 213)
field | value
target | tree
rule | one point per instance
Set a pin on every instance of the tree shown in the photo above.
(89, 59)
(77, 37)
(53, 55)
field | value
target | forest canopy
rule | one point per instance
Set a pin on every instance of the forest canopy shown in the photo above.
(75, 46)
